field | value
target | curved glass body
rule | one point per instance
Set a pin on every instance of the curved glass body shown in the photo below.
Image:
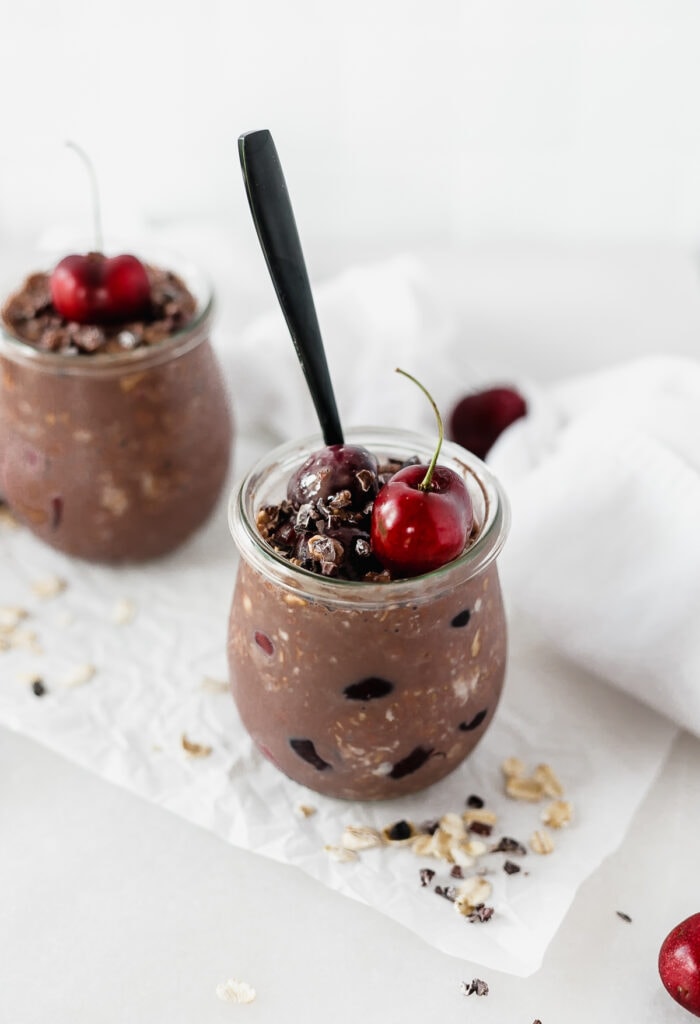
(115, 457)
(367, 690)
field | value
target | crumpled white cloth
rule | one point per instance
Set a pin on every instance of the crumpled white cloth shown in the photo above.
(603, 474)
(604, 552)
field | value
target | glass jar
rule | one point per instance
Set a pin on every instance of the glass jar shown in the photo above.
(115, 457)
(367, 690)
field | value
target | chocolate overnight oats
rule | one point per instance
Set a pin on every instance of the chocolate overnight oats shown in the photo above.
(354, 683)
(116, 435)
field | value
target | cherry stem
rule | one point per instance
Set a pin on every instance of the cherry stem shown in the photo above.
(96, 217)
(426, 482)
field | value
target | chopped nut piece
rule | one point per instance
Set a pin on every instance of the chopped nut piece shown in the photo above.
(49, 586)
(512, 767)
(360, 837)
(195, 749)
(557, 814)
(520, 788)
(340, 853)
(235, 991)
(78, 676)
(551, 786)
(541, 841)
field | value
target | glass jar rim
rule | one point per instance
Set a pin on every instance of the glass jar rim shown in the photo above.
(181, 341)
(281, 462)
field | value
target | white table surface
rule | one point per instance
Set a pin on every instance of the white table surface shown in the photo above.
(114, 910)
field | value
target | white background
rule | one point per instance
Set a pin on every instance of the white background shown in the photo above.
(396, 120)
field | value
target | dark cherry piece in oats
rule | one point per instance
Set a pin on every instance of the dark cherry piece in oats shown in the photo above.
(96, 289)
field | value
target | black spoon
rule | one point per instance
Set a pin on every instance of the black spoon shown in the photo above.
(277, 231)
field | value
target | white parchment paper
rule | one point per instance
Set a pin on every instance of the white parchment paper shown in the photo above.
(152, 685)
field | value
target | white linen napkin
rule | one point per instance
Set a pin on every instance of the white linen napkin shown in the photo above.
(604, 551)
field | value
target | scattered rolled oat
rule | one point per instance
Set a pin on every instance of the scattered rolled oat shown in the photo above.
(471, 893)
(195, 749)
(235, 991)
(360, 837)
(305, 810)
(10, 618)
(49, 586)
(123, 612)
(479, 815)
(557, 814)
(212, 685)
(512, 767)
(551, 786)
(521, 788)
(340, 854)
(541, 841)
(78, 676)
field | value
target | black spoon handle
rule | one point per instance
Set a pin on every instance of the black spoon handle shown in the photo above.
(274, 222)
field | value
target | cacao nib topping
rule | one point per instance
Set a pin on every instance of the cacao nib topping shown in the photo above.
(481, 913)
(411, 763)
(426, 876)
(475, 721)
(29, 314)
(461, 619)
(475, 801)
(476, 987)
(307, 751)
(264, 643)
(510, 867)
(399, 830)
(368, 689)
(480, 828)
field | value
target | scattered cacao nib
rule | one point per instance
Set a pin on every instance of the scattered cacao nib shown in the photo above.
(510, 867)
(456, 871)
(38, 688)
(481, 913)
(426, 876)
(399, 830)
(481, 828)
(508, 845)
(449, 892)
(475, 987)
(625, 917)
(475, 801)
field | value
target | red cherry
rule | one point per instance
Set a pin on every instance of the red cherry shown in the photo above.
(479, 419)
(95, 289)
(679, 964)
(415, 530)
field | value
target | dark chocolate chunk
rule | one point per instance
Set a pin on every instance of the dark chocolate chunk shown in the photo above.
(475, 721)
(368, 689)
(461, 619)
(411, 763)
(307, 751)
(399, 830)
